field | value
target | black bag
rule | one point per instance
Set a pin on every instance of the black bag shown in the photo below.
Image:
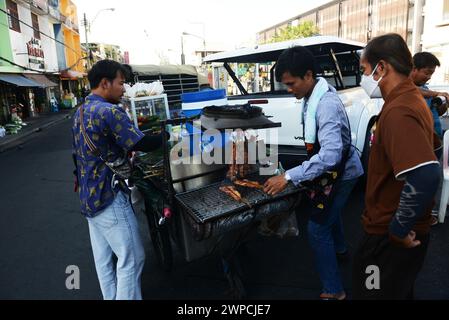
(121, 168)
(320, 191)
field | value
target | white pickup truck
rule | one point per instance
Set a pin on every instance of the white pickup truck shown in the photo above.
(338, 61)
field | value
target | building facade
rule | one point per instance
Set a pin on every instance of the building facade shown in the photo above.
(39, 46)
(101, 51)
(435, 39)
(358, 20)
(422, 23)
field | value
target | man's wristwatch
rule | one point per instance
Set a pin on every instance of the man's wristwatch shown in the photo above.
(287, 177)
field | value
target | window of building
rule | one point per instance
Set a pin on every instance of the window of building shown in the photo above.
(35, 21)
(13, 15)
(446, 10)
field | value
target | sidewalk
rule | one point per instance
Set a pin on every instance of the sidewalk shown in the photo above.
(34, 125)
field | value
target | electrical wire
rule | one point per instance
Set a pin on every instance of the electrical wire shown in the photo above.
(40, 71)
(57, 41)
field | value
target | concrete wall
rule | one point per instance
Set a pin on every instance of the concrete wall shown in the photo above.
(5, 42)
(435, 38)
(19, 40)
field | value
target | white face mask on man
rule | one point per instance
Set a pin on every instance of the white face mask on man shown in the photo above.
(371, 86)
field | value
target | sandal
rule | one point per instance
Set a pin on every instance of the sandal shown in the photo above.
(333, 297)
(434, 220)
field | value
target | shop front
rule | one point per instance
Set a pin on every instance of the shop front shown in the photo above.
(73, 84)
(18, 96)
(45, 93)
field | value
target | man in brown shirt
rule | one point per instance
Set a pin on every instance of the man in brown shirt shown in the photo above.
(403, 177)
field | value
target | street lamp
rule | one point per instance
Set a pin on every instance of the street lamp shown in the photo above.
(87, 26)
(194, 35)
(204, 33)
(183, 56)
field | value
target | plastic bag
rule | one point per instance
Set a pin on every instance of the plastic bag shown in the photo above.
(144, 89)
(282, 226)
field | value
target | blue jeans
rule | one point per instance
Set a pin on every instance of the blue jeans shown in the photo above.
(327, 237)
(115, 231)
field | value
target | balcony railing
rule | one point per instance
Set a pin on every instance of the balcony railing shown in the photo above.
(66, 20)
(76, 27)
(54, 12)
(39, 7)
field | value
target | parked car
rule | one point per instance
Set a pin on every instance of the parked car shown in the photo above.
(338, 61)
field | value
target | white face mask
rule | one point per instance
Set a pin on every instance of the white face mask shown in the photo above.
(371, 86)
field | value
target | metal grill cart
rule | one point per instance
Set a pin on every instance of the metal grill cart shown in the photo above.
(185, 206)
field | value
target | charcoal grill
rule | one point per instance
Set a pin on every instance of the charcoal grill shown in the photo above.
(185, 205)
(209, 203)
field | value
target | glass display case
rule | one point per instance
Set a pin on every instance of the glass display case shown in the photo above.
(147, 111)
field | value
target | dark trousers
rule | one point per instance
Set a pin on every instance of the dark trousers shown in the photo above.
(385, 271)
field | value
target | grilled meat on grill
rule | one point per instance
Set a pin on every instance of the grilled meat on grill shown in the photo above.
(249, 184)
(234, 194)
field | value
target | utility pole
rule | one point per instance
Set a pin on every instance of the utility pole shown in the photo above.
(183, 56)
(86, 26)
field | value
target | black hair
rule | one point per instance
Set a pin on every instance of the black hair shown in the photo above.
(108, 69)
(129, 73)
(391, 48)
(423, 60)
(297, 61)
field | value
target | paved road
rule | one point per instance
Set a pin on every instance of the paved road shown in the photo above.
(42, 232)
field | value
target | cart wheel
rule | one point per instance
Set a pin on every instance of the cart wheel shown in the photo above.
(160, 239)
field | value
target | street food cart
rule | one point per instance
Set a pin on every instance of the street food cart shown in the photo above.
(186, 202)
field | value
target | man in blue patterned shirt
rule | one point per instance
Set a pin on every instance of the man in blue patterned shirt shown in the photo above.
(112, 223)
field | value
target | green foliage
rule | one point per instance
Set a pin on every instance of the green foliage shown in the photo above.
(303, 30)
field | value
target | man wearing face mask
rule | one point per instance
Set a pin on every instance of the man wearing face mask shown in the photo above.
(403, 176)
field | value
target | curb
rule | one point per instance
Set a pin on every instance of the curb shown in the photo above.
(20, 138)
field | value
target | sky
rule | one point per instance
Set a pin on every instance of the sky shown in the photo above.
(151, 29)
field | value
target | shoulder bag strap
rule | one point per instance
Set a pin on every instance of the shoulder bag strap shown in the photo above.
(87, 139)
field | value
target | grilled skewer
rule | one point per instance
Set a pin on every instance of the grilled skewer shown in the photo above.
(232, 174)
(249, 184)
(234, 194)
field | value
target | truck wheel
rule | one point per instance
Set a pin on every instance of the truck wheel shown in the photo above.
(160, 239)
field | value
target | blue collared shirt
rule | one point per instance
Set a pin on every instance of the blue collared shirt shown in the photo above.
(333, 134)
(113, 134)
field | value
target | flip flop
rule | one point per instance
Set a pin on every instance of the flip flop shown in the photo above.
(331, 297)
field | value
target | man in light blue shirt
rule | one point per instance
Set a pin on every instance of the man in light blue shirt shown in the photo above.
(328, 140)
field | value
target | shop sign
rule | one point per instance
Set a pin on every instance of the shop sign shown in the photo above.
(35, 54)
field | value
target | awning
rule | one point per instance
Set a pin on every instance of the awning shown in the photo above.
(40, 78)
(71, 75)
(19, 80)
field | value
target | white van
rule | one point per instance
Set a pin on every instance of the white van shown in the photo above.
(338, 62)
